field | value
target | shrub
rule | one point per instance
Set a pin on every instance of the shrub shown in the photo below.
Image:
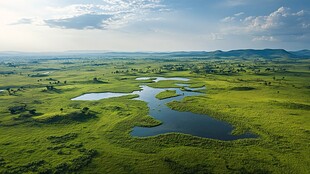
(17, 109)
(77, 116)
(244, 88)
(63, 138)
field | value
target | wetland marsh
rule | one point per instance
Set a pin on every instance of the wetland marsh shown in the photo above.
(102, 115)
(173, 121)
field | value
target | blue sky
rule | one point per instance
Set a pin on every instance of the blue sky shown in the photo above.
(153, 25)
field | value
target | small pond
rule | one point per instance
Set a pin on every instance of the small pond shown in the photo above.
(174, 121)
(157, 79)
(98, 96)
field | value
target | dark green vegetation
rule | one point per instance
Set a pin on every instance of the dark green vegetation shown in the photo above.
(166, 94)
(43, 131)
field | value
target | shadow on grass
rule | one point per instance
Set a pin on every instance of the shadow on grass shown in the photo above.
(76, 116)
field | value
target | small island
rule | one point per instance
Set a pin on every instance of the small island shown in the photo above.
(166, 94)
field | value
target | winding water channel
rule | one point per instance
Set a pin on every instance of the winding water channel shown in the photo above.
(174, 121)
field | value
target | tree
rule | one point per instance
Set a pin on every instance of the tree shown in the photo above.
(17, 109)
(32, 111)
(9, 90)
(50, 87)
(85, 110)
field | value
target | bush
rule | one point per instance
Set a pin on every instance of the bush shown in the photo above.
(245, 88)
(2, 161)
(63, 138)
(17, 109)
(76, 164)
(77, 116)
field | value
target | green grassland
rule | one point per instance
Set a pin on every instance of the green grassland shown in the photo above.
(43, 131)
(166, 94)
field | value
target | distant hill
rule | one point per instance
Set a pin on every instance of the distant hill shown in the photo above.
(266, 53)
(301, 53)
(244, 53)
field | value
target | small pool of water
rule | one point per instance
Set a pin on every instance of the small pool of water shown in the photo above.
(99, 96)
(157, 79)
(174, 121)
(143, 78)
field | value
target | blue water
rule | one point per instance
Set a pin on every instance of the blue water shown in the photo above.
(181, 122)
(174, 121)
(157, 79)
(99, 96)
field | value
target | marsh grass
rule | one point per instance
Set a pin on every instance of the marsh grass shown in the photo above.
(166, 94)
(64, 138)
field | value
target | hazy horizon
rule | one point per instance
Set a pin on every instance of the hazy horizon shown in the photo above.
(146, 51)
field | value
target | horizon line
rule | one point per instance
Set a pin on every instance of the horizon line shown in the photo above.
(125, 51)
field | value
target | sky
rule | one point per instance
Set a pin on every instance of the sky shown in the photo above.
(153, 25)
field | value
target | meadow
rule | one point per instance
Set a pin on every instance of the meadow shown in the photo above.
(43, 131)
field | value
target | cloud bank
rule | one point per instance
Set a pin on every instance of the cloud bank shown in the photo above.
(108, 14)
(280, 25)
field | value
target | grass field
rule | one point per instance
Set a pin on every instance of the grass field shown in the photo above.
(166, 94)
(43, 131)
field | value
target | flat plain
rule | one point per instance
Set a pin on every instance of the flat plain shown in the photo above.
(43, 131)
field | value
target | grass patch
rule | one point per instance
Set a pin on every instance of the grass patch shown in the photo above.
(166, 94)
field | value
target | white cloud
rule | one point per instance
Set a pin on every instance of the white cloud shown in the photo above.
(280, 25)
(85, 21)
(264, 38)
(228, 19)
(275, 20)
(239, 14)
(216, 36)
(109, 14)
(232, 18)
